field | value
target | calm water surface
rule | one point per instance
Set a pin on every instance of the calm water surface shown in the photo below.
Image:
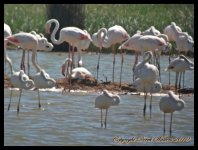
(72, 119)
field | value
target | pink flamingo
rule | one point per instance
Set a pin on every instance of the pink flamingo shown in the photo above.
(141, 44)
(73, 35)
(114, 35)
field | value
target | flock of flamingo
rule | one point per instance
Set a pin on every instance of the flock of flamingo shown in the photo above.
(146, 74)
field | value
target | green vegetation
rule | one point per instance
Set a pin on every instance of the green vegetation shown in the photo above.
(133, 17)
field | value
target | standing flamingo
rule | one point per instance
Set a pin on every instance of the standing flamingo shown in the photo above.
(42, 80)
(179, 65)
(114, 35)
(72, 35)
(104, 101)
(148, 73)
(143, 43)
(169, 104)
(17, 79)
(26, 41)
(146, 87)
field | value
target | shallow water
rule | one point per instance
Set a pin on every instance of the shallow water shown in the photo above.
(72, 119)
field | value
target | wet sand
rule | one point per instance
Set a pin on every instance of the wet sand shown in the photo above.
(91, 85)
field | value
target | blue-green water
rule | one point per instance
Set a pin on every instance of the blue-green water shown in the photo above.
(72, 119)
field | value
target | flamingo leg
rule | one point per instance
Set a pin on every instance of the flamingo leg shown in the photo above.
(73, 64)
(144, 109)
(151, 105)
(101, 119)
(10, 100)
(28, 63)
(135, 63)
(180, 74)
(171, 123)
(113, 63)
(164, 123)
(106, 118)
(183, 78)
(98, 64)
(22, 61)
(19, 102)
(39, 104)
(169, 60)
(122, 60)
(158, 66)
(176, 81)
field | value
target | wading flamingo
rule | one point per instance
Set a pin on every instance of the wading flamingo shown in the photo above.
(42, 80)
(143, 43)
(114, 35)
(169, 104)
(73, 35)
(43, 44)
(26, 41)
(148, 73)
(179, 65)
(104, 101)
(146, 87)
(18, 79)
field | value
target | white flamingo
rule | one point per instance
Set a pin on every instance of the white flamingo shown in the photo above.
(18, 79)
(42, 80)
(104, 101)
(146, 87)
(77, 73)
(179, 65)
(106, 38)
(151, 31)
(169, 104)
(170, 32)
(73, 35)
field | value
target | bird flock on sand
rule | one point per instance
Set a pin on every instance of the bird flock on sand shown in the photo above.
(146, 73)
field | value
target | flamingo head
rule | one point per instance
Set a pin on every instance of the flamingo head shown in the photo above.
(47, 27)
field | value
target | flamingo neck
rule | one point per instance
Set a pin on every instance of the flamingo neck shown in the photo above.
(53, 39)
(38, 68)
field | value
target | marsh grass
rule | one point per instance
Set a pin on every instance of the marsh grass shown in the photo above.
(133, 17)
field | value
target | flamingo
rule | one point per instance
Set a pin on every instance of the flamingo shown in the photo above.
(169, 104)
(73, 35)
(184, 42)
(42, 80)
(104, 101)
(157, 52)
(148, 73)
(77, 73)
(112, 36)
(143, 43)
(26, 41)
(179, 65)
(146, 87)
(151, 31)
(18, 79)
